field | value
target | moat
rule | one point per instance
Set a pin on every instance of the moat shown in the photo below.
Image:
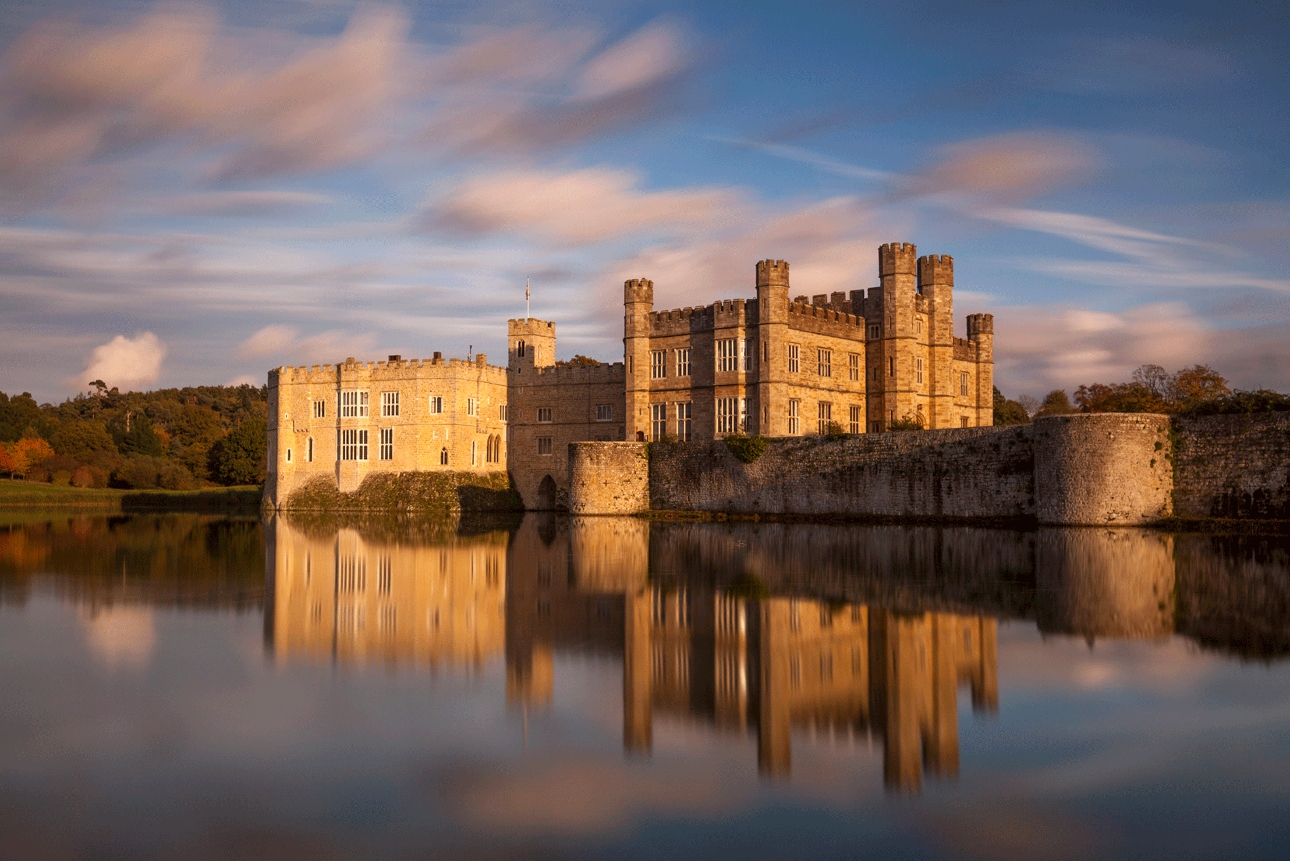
(554, 687)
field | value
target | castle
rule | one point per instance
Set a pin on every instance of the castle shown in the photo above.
(772, 365)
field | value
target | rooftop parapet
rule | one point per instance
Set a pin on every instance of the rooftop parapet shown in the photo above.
(897, 258)
(638, 291)
(935, 269)
(979, 324)
(772, 273)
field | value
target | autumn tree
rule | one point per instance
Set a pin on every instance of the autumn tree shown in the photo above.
(1008, 412)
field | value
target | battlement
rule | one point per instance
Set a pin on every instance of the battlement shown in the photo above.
(965, 350)
(823, 319)
(897, 258)
(530, 326)
(393, 368)
(772, 273)
(638, 291)
(604, 372)
(935, 270)
(979, 324)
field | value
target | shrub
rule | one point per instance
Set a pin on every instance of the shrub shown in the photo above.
(834, 431)
(175, 476)
(83, 477)
(139, 472)
(906, 423)
(1260, 401)
(747, 448)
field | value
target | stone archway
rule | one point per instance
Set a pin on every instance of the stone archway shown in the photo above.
(546, 494)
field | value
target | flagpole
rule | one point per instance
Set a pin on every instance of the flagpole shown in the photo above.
(526, 298)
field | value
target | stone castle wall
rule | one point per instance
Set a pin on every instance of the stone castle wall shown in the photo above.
(1081, 470)
(608, 478)
(969, 473)
(1232, 466)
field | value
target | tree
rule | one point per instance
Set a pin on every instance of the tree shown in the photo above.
(579, 359)
(18, 413)
(81, 440)
(1029, 403)
(1055, 403)
(6, 459)
(1007, 412)
(1191, 387)
(27, 453)
(1132, 397)
(1155, 378)
(239, 458)
(136, 436)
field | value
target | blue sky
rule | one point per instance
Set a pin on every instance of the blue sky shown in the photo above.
(196, 193)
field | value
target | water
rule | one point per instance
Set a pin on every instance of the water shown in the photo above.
(183, 686)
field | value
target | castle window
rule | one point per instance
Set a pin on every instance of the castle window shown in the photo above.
(824, 362)
(683, 421)
(875, 331)
(288, 455)
(918, 370)
(353, 405)
(503, 412)
(794, 421)
(320, 409)
(443, 456)
(746, 355)
(544, 414)
(794, 363)
(683, 362)
(727, 355)
(436, 404)
(918, 325)
(544, 445)
(727, 417)
(389, 404)
(604, 412)
(765, 351)
(963, 421)
(658, 420)
(658, 364)
(743, 415)
(825, 415)
(963, 383)
(474, 452)
(519, 348)
(891, 366)
(853, 366)
(309, 450)
(353, 445)
(387, 443)
(855, 419)
(472, 406)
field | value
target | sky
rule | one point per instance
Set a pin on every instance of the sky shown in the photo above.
(195, 193)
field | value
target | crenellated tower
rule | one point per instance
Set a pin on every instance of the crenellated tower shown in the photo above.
(638, 304)
(891, 396)
(772, 336)
(530, 344)
(980, 334)
(936, 286)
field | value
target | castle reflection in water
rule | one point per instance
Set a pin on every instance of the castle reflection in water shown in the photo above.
(752, 628)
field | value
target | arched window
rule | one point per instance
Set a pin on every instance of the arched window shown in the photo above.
(443, 456)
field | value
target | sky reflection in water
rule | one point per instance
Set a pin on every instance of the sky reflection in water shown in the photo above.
(186, 686)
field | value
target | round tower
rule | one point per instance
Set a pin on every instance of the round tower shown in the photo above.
(638, 304)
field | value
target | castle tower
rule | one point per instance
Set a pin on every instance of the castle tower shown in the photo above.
(772, 336)
(936, 284)
(530, 343)
(892, 354)
(638, 304)
(980, 331)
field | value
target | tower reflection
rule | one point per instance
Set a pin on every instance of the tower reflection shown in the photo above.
(743, 663)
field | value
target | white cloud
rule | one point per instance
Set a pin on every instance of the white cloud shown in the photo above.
(1039, 348)
(576, 207)
(650, 55)
(268, 341)
(124, 362)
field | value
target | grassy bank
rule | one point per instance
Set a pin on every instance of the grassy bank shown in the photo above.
(26, 494)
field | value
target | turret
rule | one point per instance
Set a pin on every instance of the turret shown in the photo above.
(935, 274)
(768, 416)
(638, 304)
(530, 343)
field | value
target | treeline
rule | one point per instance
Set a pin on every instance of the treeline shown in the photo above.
(1198, 390)
(176, 439)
